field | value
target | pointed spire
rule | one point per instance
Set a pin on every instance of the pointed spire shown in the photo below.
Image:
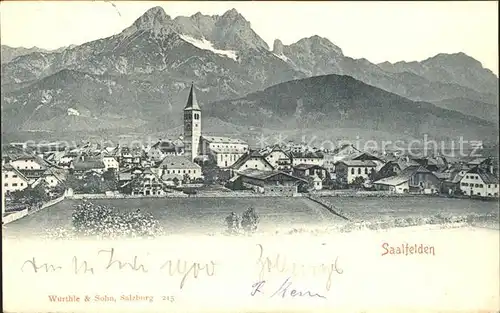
(192, 103)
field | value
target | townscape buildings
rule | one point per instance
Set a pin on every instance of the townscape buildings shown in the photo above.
(196, 160)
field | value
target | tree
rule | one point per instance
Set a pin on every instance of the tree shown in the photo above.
(372, 176)
(59, 189)
(233, 223)
(186, 179)
(250, 220)
(247, 223)
(110, 182)
(358, 182)
(32, 194)
(92, 184)
(74, 183)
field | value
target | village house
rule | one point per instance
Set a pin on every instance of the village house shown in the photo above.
(365, 156)
(179, 167)
(84, 165)
(394, 184)
(268, 182)
(67, 159)
(411, 179)
(485, 164)
(27, 162)
(130, 157)
(110, 162)
(53, 157)
(309, 170)
(345, 151)
(252, 160)
(278, 158)
(479, 182)
(163, 148)
(31, 166)
(146, 183)
(307, 157)
(405, 161)
(13, 179)
(126, 175)
(52, 177)
(389, 169)
(451, 178)
(317, 183)
(432, 164)
(348, 170)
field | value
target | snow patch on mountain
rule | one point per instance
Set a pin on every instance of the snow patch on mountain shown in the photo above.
(46, 97)
(72, 111)
(282, 56)
(207, 45)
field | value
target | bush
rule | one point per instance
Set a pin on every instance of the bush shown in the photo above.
(32, 195)
(247, 223)
(96, 220)
(250, 220)
(358, 182)
(233, 223)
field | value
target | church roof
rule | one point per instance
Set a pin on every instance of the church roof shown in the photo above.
(217, 139)
(192, 103)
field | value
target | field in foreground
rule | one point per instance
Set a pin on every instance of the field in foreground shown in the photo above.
(191, 215)
(373, 209)
(206, 215)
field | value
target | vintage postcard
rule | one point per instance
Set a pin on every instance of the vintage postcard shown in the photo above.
(247, 157)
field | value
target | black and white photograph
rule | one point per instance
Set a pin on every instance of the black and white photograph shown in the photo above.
(250, 156)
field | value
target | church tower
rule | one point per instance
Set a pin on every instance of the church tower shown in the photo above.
(192, 126)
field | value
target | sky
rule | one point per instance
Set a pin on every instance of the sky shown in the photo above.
(377, 31)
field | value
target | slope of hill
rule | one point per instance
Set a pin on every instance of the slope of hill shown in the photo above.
(334, 101)
(470, 107)
(456, 68)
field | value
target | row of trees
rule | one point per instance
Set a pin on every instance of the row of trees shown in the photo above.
(37, 194)
(94, 183)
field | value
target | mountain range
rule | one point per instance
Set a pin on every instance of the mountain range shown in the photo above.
(138, 79)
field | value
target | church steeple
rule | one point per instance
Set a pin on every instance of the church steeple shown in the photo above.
(192, 126)
(192, 103)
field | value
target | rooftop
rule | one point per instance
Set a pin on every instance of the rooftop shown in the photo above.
(178, 162)
(358, 163)
(217, 139)
(192, 102)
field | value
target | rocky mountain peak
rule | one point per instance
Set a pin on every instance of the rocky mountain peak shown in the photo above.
(233, 31)
(278, 47)
(459, 59)
(232, 14)
(154, 18)
(316, 42)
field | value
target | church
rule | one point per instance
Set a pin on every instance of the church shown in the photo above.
(224, 151)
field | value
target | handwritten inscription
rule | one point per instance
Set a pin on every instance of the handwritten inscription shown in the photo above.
(280, 264)
(286, 289)
(32, 264)
(135, 266)
(109, 261)
(184, 268)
